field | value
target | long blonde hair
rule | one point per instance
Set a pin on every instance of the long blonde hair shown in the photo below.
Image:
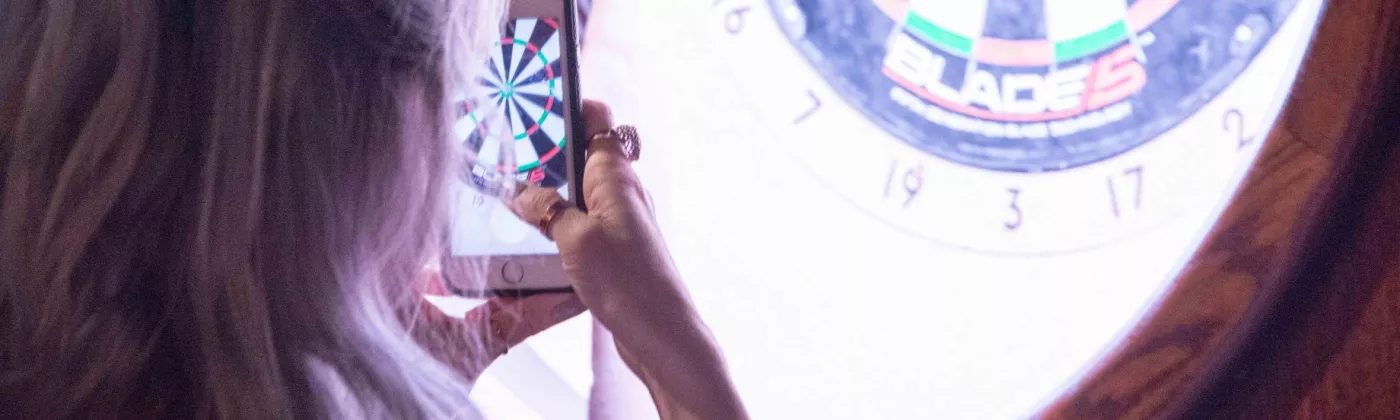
(215, 208)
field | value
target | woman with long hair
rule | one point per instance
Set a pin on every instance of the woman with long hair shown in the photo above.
(224, 210)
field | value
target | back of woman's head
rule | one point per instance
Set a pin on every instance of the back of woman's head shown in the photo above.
(213, 208)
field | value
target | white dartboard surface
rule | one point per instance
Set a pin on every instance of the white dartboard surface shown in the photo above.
(928, 208)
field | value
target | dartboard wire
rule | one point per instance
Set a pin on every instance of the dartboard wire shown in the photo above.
(538, 88)
(492, 136)
(980, 28)
(509, 159)
(522, 149)
(508, 54)
(493, 79)
(550, 124)
(1054, 64)
(526, 91)
(540, 77)
(521, 48)
(489, 129)
(539, 138)
(536, 83)
(483, 112)
(498, 127)
(540, 113)
(536, 57)
(536, 44)
(551, 45)
(547, 74)
(1133, 36)
(498, 62)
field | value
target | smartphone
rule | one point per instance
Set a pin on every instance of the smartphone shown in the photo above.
(520, 128)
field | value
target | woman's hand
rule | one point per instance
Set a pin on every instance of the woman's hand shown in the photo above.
(486, 332)
(623, 273)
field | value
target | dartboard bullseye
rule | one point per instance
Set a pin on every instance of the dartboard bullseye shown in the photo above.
(1030, 86)
(516, 127)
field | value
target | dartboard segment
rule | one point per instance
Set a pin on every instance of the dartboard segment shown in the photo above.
(1080, 28)
(521, 104)
(1014, 20)
(952, 25)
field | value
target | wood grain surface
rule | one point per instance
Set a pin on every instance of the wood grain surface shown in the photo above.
(1286, 306)
(1331, 348)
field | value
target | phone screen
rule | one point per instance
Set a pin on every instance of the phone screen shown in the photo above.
(514, 130)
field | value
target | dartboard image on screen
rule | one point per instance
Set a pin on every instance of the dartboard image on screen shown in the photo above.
(1031, 86)
(515, 127)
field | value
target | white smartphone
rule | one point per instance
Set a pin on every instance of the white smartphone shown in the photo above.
(519, 129)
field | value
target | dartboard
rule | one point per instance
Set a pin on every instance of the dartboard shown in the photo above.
(1030, 86)
(515, 127)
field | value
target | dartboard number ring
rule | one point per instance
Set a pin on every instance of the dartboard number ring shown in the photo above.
(1057, 98)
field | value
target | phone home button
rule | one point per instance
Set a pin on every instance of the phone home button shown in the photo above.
(512, 272)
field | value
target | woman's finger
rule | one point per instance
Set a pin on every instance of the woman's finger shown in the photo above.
(598, 121)
(597, 118)
(542, 208)
(651, 202)
(510, 321)
(498, 325)
(607, 166)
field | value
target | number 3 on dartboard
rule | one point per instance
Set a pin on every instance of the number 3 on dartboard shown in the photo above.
(1015, 222)
(904, 185)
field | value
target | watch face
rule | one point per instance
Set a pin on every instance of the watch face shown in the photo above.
(515, 128)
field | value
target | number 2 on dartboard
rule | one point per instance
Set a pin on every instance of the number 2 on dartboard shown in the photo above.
(1234, 124)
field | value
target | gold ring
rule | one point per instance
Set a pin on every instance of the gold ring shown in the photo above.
(547, 220)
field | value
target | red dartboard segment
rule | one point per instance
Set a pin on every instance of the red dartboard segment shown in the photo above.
(550, 154)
